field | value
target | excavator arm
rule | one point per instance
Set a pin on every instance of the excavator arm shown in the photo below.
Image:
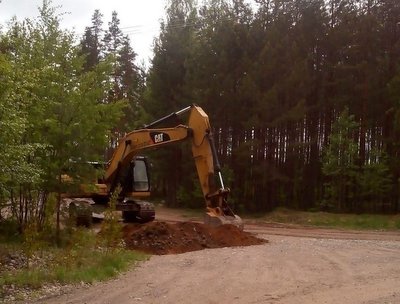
(137, 141)
(198, 130)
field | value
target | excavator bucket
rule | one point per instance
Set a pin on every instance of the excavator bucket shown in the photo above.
(214, 220)
(218, 216)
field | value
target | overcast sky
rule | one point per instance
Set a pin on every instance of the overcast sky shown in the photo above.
(139, 18)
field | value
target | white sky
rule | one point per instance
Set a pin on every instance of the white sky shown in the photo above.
(140, 19)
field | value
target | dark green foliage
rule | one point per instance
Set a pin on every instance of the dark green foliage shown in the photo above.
(273, 78)
(167, 80)
(375, 184)
(91, 44)
(339, 164)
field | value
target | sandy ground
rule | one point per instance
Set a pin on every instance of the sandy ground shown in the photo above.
(298, 265)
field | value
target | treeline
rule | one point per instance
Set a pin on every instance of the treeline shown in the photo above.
(303, 96)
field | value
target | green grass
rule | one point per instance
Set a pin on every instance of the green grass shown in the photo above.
(79, 259)
(184, 212)
(319, 219)
(97, 266)
(333, 220)
(193, 213)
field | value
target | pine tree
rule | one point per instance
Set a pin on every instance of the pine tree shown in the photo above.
(91, 42)
(132, 85)
(127, 77)
(113, 37)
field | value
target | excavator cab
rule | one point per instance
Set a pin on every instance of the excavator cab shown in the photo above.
(135, 187)
(141, 181)
(135, 180)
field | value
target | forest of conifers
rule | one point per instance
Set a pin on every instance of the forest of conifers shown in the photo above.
(274, 81)
(303, 97)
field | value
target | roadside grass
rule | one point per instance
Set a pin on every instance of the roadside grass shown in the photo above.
(332, 220)
(90, 267)
(308, 218)
(82, 257)
(184, 212)
(193, 213)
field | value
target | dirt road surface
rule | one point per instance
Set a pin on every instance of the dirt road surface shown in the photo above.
(298, 265)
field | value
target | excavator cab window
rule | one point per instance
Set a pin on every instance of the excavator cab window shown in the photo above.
(140, 176)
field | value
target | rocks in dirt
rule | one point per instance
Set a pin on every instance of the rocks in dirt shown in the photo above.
(170, 238)
(13, 261)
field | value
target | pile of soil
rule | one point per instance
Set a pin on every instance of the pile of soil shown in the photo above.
(171, 238)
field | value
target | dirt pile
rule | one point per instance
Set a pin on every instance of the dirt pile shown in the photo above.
(170, 238)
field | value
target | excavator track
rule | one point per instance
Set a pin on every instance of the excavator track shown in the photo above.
(140, 212)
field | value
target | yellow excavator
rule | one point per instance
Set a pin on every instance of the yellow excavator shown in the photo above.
(130, 171)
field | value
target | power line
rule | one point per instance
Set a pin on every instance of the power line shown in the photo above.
(141, 29)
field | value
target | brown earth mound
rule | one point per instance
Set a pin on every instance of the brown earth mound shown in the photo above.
(169, 238)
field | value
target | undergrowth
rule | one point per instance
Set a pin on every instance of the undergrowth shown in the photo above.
(89, 266)
(33, 260)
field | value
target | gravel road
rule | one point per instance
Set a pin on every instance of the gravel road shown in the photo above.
(298, 265)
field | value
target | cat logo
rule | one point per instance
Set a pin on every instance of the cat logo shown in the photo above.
(159, 137)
